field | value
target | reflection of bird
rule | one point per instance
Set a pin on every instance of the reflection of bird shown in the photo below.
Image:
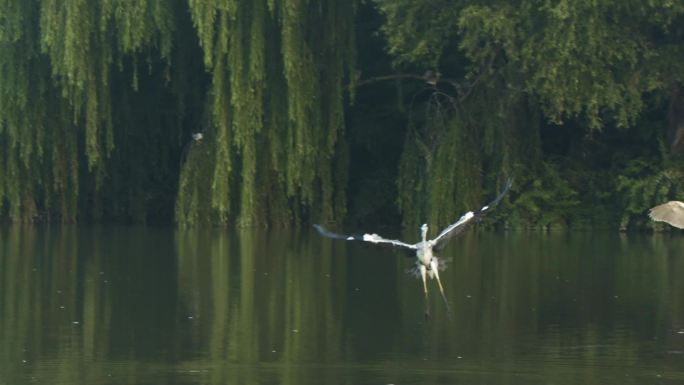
(427, 263)
(671, 213)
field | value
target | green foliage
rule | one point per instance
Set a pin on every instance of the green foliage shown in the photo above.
(641, 186)
(532, 65)
(545, 200)
(98, 100)
(276, 106)
(418, 31)
(594, 59)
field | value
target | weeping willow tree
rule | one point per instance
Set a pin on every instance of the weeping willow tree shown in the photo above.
(528, 68)
(274, 150)
(98, 100)
(61, 67)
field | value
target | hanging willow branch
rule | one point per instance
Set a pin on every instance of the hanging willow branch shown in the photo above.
(98, 100)
(276, 108)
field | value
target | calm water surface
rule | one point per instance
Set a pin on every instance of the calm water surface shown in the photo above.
(159, 306)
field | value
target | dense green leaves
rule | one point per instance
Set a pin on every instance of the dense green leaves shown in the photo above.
(276, 106)
(592, 59)
(585, 65)
(99, 99)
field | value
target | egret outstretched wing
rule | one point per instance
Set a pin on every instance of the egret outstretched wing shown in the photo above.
(467, 219)
(372, 238)
(671, 213)
(375, 238)
(453, 230)
(324, 232)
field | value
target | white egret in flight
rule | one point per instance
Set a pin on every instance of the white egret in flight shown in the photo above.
(427, 263)
(671, 213)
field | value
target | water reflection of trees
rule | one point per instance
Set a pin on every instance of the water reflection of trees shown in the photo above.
(73, 301)
(524, 302)
(273, 300)
(217, 307)
(48, 308)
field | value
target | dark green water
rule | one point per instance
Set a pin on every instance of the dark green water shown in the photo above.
(158, 306)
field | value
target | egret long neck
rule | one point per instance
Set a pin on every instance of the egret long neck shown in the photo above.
(425, 250)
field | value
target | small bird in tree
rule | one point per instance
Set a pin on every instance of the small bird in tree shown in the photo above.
(671, 213)
(432, 77)
(427, 264)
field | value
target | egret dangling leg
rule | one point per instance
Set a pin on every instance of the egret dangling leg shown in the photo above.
(423, 275)
(435, 270)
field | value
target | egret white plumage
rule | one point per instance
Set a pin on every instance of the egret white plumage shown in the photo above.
(671, 213)
(427, 263)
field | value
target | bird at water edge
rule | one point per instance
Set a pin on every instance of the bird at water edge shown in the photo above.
(671, 213)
